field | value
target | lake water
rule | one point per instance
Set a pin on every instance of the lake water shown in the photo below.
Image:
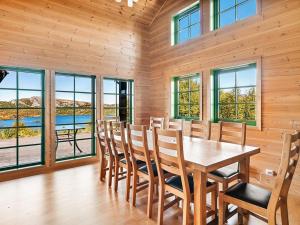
(36, 121)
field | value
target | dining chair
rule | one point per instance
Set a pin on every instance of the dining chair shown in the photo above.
(121, 156)
(231, 133)
(112, 118)
(139, 151)
(105, 151)
(200, 129)
(260, 202)
(175, 124)
(157, 122)
(169, 157)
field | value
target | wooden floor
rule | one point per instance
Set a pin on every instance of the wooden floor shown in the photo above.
(75, 196)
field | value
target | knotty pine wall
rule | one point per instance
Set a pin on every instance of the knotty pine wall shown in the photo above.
(99, 37)
(273, 37)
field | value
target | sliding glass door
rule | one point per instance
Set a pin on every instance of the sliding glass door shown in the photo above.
(75, 116)
(21, 118)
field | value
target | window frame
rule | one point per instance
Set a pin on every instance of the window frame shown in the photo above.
(17, 108)
(214, 92)
(216, 12)
(175, 97)
(175, 23)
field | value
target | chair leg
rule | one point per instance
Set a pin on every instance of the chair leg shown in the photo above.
(161, 203)
(116, 176)
(186, 212)
(102, 168)
(284, 212)
(111, 165)
(128, 178)
(134, 185)
(150, 199)
(221, 209)
(214, 200)
(240, 216)
(272, 218)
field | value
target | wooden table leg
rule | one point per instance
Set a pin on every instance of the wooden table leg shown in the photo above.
(245, 174)
(200, 179)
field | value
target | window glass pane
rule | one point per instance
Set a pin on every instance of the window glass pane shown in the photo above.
(83, 116)
(10, 80)
(226, 96)
(83, 84)
(84, 131)
(8, 157)
(109, 86)
(183, 85)
(29, 80)
(28, 136)
(246, 9)
(195, 98)
(64, 83)
(195, 84)
(195, 17)
(109, 112)
(30, 117)
(226, 4)
(184, 110)
(226, 79)
(29, 154)
(8, 117)
(30, 99)
(8, 98)
(195, 30)
(64, 116)
(110, 101)
(195, 111)
(83, 100)
(227, 17)
(85, 146)
(227, 111)
(184, 98)
(246, 95)
(184, 35)
(246, 111)
(246, 77)
(8, 137)
(183, 22)
(64, 99)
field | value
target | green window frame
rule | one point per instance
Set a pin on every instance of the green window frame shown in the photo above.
(185, 89)
(77, 109)
(23, 109)
(236, 102)
(114, 93)
(234, 11)
(190, 26)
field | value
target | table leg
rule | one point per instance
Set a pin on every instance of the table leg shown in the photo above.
(200, 179)
(244, 169)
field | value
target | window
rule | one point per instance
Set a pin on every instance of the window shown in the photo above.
(118, 99)
(186, 97)
(187, 24)
(235, 94)
(21, 118)
(75, 116)
(227, 12)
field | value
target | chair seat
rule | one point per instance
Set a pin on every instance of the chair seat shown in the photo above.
(175, 182)
(250, 193)
(139, 162)
(144, 169)
(225, 172)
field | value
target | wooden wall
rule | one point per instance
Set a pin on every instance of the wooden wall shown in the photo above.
(99, 37)
(273, 36)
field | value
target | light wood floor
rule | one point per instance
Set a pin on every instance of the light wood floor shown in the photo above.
(76, 197)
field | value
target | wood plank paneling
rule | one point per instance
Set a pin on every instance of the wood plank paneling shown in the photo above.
(274, 35)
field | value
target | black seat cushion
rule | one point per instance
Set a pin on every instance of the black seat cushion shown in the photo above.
(139, 162)
(144, 169)
(250, 193)
(225, 172)
(175, 182)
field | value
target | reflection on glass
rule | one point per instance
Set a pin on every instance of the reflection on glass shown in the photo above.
(31, 154)
(8, 157)
(226, 79)
(30, 99)
(28, 80)
(83, 84)
(10, 81)
(8, 99)
(64, 83)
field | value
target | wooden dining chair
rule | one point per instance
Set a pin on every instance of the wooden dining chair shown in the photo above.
(139, 151)
(231, 133)
(121, 156)
(260, 202)
(105, 151)
(200, 129)
(175, 124)
(169, 156)
(157, 122)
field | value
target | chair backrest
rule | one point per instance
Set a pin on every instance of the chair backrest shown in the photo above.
(102, 137)
(138, 146)
(288, 164)
(118, 139)
(157, 122)
(232, 132)
(201, 129)
(175, 124)
(169, 156)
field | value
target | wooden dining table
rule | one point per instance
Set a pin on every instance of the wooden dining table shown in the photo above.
(204, 156)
